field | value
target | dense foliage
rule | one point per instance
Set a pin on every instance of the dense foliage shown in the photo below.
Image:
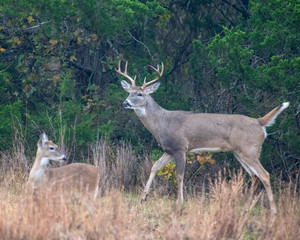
(57, 60)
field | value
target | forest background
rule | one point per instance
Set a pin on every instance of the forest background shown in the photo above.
(57, 60)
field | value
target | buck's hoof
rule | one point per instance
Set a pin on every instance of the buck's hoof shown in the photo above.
(144, 199)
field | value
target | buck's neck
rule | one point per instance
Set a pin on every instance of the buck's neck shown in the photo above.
(38, 170)
(152, 116)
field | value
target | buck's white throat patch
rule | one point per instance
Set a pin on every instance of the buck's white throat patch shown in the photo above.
(140, 111)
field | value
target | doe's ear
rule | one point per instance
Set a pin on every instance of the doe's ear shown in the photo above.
(152, 88)
(127, 87)
(42, 140)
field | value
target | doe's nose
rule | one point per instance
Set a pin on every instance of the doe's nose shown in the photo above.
(65, 158)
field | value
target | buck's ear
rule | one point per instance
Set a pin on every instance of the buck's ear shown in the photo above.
(152, 88)
(42, 140)
(127, 87)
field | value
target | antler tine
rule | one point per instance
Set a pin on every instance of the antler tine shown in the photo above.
(156, 79)
(124, 74)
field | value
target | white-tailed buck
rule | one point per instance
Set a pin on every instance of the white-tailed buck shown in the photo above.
(179, 132)
(73, 178)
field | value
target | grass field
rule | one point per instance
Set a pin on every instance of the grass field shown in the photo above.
(216, 214)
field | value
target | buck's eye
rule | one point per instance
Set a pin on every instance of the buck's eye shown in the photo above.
(51, 148)
(139, 94)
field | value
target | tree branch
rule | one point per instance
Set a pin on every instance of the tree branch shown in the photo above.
(223, 14)
(29, 29)
(243, 10)
(148, 50)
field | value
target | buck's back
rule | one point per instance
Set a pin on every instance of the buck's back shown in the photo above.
(208, 130)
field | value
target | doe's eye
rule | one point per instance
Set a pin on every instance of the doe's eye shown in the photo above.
(139, 94)
(51, 148)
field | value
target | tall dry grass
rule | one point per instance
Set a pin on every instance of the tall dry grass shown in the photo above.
(118, 167)
(218, 214)
(215, 213)
(14, 165)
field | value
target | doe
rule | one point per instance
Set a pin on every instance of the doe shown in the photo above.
(73, 178)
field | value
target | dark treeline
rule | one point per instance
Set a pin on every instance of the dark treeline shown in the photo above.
(57, 60)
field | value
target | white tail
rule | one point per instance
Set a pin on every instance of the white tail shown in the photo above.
(269, 119)
(179, 132)
(77, 177)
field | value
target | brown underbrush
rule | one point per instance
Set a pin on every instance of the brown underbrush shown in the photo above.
(216, 214)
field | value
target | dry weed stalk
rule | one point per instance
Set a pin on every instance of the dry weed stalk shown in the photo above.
(14, 165)
(116, 166)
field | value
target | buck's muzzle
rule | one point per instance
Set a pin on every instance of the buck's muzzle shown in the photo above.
(126, 104)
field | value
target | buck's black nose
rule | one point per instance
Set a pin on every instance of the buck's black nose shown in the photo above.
(126, 104)
(65, 158)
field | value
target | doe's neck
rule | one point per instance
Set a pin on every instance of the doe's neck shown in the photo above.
(38, 169)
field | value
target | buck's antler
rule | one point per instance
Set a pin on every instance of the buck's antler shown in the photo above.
(156, 79)
(124, 74)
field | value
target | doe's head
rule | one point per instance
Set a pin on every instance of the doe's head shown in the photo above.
(48, 150)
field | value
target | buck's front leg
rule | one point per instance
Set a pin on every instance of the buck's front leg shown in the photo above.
(180, 166)
(164, 160)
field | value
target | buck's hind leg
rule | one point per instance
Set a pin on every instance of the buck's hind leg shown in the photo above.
(264, 177)
(253, 164)
(254, 183)
(163, 161)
